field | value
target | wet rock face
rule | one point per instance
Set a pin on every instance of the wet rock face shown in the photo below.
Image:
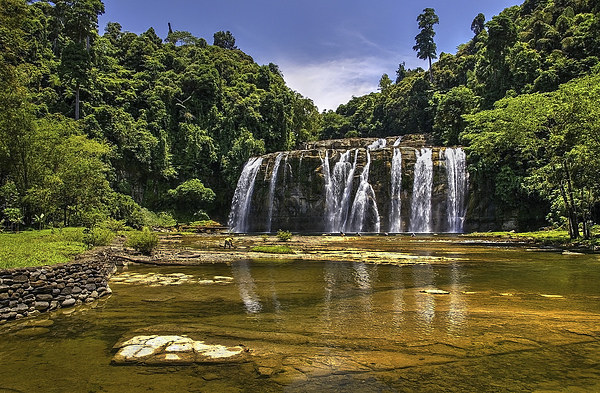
(299, 201)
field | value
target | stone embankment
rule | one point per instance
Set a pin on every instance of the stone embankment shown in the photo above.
(29, 291)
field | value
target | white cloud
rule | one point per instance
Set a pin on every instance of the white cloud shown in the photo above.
(334, 82)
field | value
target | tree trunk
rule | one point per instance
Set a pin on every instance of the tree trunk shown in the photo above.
(77, 102)
(430, 71)
(573, 208)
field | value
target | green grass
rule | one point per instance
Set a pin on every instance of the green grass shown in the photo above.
(273, 249)
(546, 237)
(37, 248)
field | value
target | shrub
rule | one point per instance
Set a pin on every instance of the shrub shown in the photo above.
(113, 225)
(74, 235)
(162, 219)
(143, 241)
(284, 236)
(98, 236)
(273, 249)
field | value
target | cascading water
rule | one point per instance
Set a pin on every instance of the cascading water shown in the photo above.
(272, 189)
(364, 203)
(396, 183)
(456, 163)
(327, 193)
(420, 213)
(242, 198)
(378, 144)
(338, 187)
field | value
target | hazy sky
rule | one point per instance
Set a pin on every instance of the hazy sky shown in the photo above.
(328, 50)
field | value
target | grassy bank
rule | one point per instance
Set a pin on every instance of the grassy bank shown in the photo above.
(36, 248)
(273, 249)
(550, 237)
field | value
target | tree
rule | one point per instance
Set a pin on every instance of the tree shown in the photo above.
(401, 72)
(478, 24)
(191, 196)
(80, 21)
(425, 46)
(449, 121)
(384, 83)
(224, 39)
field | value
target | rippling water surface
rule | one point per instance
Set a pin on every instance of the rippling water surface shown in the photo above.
(511, 320)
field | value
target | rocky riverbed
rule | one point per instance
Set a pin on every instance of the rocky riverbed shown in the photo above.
(193, 249)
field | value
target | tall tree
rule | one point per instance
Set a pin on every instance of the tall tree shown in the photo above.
(478, 24)
(224, 39)
(80, 21)
(425, 46)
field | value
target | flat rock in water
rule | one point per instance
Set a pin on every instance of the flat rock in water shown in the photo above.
(567, 252)
(165, 350)
(32, 332)
(435, 291)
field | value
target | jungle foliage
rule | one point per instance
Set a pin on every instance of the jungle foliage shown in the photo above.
(521, 95)
(95, 126)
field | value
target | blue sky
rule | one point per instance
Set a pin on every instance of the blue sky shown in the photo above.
(328, 50)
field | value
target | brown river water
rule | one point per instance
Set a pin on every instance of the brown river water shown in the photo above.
(478, 319)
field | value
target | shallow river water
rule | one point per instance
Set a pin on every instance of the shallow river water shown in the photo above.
(512, 320)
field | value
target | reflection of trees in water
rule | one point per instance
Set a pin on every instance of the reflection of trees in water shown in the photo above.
(246, 286)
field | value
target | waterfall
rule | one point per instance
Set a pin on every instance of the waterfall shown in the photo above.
(420, 214)
(396, 180)
(338, 187)
(378, 144)
(272, 189)
(456, 163)
(364, 202)
(242, 198)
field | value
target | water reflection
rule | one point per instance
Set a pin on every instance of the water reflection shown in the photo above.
(247, 288)
(354, 296)
(423, 278)
(457, 312)
(398, 302)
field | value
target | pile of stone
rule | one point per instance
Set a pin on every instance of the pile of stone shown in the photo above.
(29, 291)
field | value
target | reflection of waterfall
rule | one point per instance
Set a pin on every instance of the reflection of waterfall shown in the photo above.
(457, 313)
(420, 215)
(423, 278)
(348, 298)
(272, 189)
(338, 188)
(361, 276)
(398, 301)
(247, 289)
(365, 203)
(396, 175)
(456, 164)
(242, 198)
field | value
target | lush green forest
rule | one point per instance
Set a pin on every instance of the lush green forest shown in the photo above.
(522, 96)
(114, 124)
(95, 126)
